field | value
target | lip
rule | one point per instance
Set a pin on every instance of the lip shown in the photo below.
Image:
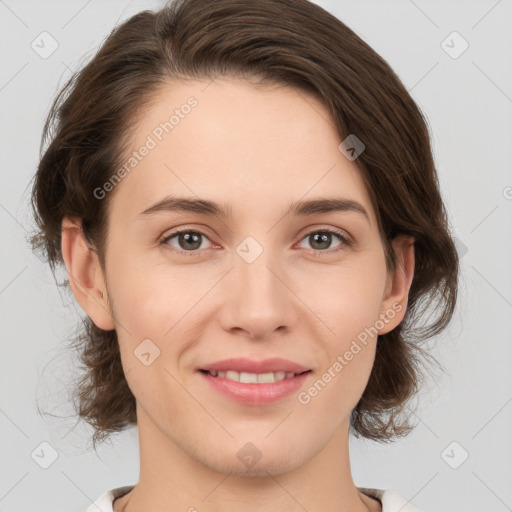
(252, 393)
(255, 394)
(241, 364)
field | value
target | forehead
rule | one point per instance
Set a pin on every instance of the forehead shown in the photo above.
(229, 141)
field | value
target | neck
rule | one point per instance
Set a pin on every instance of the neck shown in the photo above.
(171, 479)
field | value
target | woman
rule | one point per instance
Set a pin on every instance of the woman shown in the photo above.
(245, 200)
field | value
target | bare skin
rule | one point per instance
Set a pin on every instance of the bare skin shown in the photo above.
(256, 150)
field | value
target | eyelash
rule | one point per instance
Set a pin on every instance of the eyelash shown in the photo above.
(346, 242)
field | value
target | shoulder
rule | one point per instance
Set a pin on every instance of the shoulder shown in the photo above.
(391, 500)
(104, 502)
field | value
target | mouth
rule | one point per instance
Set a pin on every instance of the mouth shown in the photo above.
(255, 382)
(254, 389)
(253, 378)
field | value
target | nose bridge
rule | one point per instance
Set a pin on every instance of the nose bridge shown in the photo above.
(255, 268)
(260, 301)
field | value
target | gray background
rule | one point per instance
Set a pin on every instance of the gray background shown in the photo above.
(468, 103)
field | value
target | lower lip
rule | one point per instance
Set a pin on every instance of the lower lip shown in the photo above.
(256, 394)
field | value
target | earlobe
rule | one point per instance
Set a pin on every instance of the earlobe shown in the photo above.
(396, 296)
(85, 274)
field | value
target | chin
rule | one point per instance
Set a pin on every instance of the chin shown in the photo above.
(262, 468)
(246, 459)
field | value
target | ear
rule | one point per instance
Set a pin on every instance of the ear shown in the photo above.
(85, 274)
(398, 284)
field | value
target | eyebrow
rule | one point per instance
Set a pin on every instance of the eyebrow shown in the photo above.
(223, 211)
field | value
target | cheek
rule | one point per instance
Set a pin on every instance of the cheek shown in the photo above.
(150, 307)
(151, 300)
(346, 298)
(157, 310)
(348, 302)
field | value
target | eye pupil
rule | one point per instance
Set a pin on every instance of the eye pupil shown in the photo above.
(191, 241)
(189, 237)
(325, 240)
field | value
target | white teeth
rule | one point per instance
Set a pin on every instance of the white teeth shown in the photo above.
(248, 378)
(231, 375)
(267, 377)
(252, 378)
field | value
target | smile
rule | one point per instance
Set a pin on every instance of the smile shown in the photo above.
(256, 389)
(252, 378)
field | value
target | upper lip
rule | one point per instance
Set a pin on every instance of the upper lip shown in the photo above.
(241, 364)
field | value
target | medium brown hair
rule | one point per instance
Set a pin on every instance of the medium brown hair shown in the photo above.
(291, 42)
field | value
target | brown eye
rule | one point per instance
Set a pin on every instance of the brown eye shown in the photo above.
(322, 240)
(187, 240)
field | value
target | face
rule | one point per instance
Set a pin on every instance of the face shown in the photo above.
(256, 283)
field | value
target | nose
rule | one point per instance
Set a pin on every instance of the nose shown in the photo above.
(259, 297)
